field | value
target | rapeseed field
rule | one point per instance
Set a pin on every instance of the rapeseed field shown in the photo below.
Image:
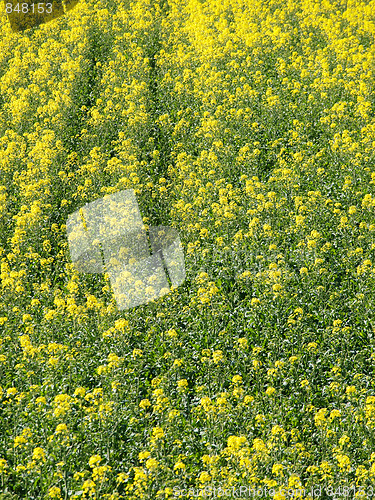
(249, 127)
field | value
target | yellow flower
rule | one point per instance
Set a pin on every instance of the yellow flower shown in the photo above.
(143, 454)
(53, 361)
(256, 363)
(334, 414)
(276, 430)
(319, 417)
(61, 429)
(259, 445)
(270, 391)
(121, 477)
(152, 464)
(277, 469)
(3, 465)
(217, 356)
(206, 403)
(89, 487)
(245, 274)
(343, 461)
(145, 403)
(350, 390)
(80, 391)
(237, 379)
(248, 399)
(334, 387)
(157, 432)
(62, 404)
(182, 384)
(11, 392)
(50, 314)
(311, 346)
(102, 370)
(300, 220)
(54, 492)
(243, 342)
(94, 460)
(179, 466)
(23, 438)
(121, 324)
(113, 360)
(235, 442)
(172, 414)
(204, 477)
(345, 439)
(39, 454)
(172, 333)
(260, 419)
(361, 472)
